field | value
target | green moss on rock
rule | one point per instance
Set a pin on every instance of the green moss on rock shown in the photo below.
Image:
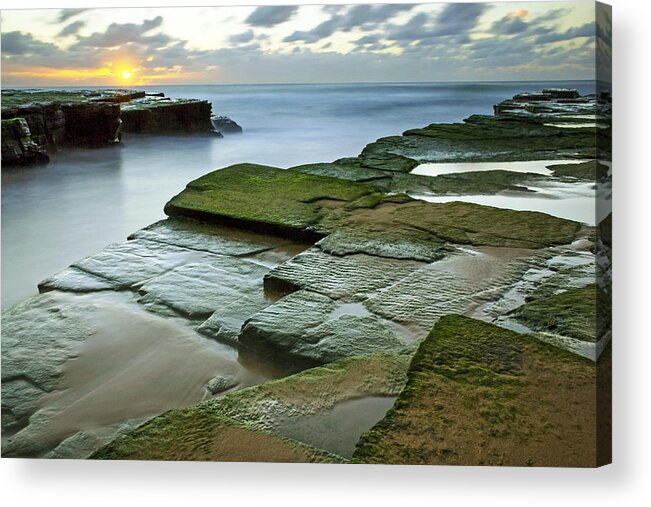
(309, 206)
(478, 394)
(570, 313)
(467, 223)
(589, 171)
(264, 197)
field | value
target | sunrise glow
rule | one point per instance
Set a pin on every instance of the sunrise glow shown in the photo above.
(405, 42)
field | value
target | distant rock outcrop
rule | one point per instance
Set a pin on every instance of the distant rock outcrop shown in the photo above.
(90, 118)
(158, 116)
(225, 125)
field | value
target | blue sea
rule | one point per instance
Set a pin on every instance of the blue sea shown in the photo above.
(85, 199)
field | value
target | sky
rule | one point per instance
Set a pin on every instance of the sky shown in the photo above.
(300, 44)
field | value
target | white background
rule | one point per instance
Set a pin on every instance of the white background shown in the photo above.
(626, 482)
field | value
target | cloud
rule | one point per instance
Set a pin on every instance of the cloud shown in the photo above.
(509, 25)
(458, 19)
(586, 30)
(72, 29)
(413, 30)
(368, 39)
(271, 15)
(24, 44)
(325, 29)
(66, 14)
(365, 17)
(552, 16)
(118, 34)
(439, 44)
(454, 23)
(242, 38)
(24, 49)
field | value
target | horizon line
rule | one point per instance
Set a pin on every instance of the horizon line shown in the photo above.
(125, 86)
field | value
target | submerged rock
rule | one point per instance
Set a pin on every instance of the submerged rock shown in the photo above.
(196, 290)
(457, 284)
(220, 383)
(68, 358)
(209, 274)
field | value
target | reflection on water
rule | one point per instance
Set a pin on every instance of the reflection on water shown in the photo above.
(574, 200)
(529, 166)
(581, 209)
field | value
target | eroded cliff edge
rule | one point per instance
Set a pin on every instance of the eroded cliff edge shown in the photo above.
(35, 122)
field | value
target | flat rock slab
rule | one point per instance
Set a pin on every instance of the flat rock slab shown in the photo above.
(200, 271)
(309, 206)
(461, 223)
(478, 394)
(208, 238)
(347, 169)
(196, 290)
(124, 265)
(485, 139)
(453, 285)
(570, 312)
(310, 327)
(395, 242)
(352, 277)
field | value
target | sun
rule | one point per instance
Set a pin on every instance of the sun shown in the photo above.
(126, 74)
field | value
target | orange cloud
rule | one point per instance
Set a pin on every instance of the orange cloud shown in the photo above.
(522, 13)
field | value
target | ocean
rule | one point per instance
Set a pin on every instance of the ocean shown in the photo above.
(84, 200)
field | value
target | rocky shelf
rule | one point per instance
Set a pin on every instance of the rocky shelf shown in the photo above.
(35, 122)
(361, 297)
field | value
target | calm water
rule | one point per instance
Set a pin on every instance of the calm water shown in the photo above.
(570, 200)
(84, 200)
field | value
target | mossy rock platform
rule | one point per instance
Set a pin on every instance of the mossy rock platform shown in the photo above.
(478, 394)
(309, 206)
(486, 139)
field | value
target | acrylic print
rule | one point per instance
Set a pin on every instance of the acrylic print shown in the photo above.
(308, 233)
